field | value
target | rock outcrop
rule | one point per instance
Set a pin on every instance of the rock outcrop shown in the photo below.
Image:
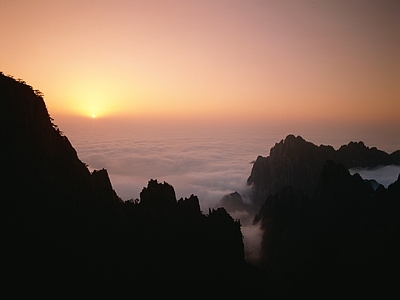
(297, 163)
(232, 202)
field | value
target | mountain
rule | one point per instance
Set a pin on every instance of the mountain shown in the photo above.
(396, 156)
(296, 162)
(342, 240)
(65, 227)
(326, 233)
(237, 208)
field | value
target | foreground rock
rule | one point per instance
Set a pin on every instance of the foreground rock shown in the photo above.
(343, 240)
(66, 228)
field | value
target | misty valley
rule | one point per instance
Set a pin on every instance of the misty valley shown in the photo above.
(310, 225)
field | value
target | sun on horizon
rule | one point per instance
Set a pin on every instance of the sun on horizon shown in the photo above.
(324, 63)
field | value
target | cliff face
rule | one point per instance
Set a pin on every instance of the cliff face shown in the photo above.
(50, 201)
(298, 163)
(67, 227)
(35, 153)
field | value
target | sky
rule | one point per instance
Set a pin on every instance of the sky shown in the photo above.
(320, 63)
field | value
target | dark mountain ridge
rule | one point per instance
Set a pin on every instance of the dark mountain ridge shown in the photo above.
(296, 162)
(66, 227)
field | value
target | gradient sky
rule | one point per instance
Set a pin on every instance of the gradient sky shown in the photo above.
(243, 61)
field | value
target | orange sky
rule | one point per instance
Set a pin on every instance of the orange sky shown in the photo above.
(248, 61)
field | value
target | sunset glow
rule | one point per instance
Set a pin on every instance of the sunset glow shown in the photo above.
(216, 61)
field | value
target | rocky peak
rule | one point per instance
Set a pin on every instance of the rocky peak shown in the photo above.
(291, 145)
(189, 207)
(296, 162)
(157, 200)
(232, 202)
(357, 154)
(158, 194)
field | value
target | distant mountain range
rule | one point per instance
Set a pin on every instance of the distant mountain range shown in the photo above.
(326, 233)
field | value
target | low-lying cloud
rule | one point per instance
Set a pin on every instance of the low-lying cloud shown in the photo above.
(206, 164)
(252, 237)
(384, 175)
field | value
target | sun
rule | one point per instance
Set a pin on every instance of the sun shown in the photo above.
(93, 116)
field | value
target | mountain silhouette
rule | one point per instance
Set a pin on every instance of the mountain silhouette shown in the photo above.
(343, 240)
(296, 162)
(326, 233)
(66, 227)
